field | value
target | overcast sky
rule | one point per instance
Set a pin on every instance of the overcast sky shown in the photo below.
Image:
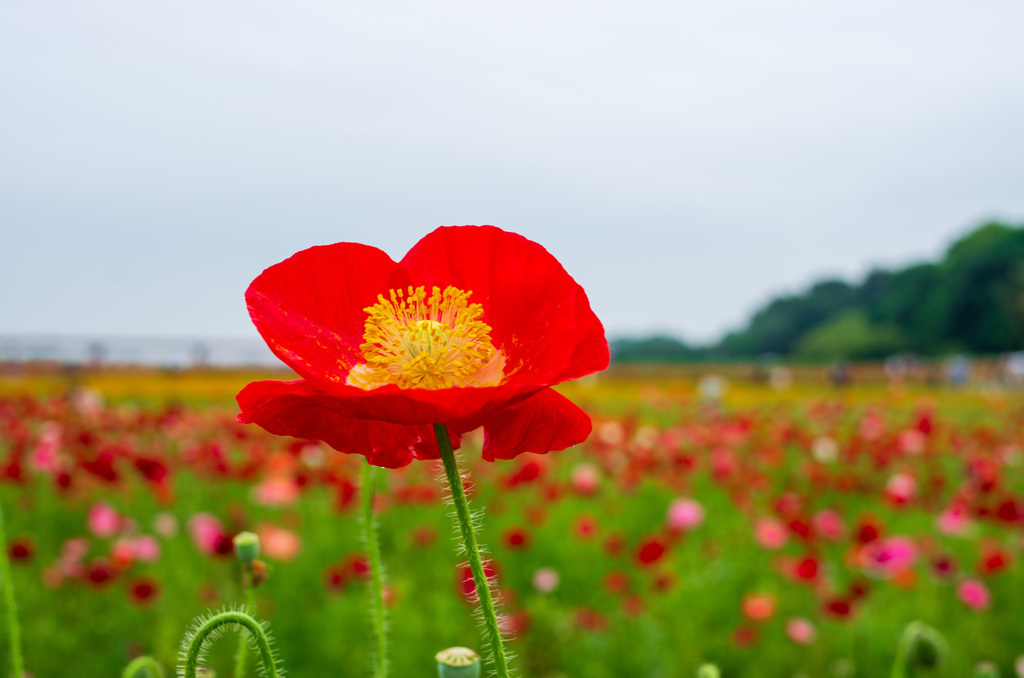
(685, 161)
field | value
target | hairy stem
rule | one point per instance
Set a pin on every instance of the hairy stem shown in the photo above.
(194, 650)
(10, 605)
(465, 521)
(249, 593)
(377, 612)
(147, 664)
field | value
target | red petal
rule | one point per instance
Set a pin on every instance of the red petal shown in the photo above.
(300, 410)
(539, 315)
(310, 307)
(546, 422)
(591, 353)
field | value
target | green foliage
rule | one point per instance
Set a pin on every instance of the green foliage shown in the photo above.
(972, 301)
(851, 336)
(653, 349)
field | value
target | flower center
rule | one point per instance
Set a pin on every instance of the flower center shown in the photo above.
(414, 341)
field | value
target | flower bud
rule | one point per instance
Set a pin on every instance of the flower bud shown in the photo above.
(986, 670)
(708, 671)
(458, 662)
(928, 648)
(247, 547)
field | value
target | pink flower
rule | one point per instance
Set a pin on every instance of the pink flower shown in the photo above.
(145, 548)
(871, 427)
(901, 488)
(74, 549)
(585, 478)
(685, 514)
(801, 631)
(207, 532)
(276, 490)
(888, 557)
(771, 533)
(545, 580)
(974, 594)
(611, 433)
(912, 441)
(953, 521)
(103, 520)
(46, 455)
(829, 524)
(278, 543)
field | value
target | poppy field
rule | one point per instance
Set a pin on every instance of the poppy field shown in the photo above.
(770, 531)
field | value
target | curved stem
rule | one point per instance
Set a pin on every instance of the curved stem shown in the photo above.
(899, 666)
(249, 591)
(377, 611)
(10, 605)
(465, 520)
(144, 663)
(199, 638)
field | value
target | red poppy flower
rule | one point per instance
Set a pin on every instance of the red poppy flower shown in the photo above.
(21, 548)
(516, 538)
(144, 591)
(650, 551)
(464, 578)
(469, 329)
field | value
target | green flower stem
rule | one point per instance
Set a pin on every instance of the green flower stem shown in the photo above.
(377, 611)
(465, 520)
(11, 606)
(195, 644)
(249, 592)
(899, 666)
(147, 664)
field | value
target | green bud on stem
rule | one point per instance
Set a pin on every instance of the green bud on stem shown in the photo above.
(708, 671)
(247, 547)
(458, 662)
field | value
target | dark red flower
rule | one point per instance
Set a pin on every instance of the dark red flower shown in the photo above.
(944, 566)
(868, 531)
(359, 566)
(469, 329)
(516, 538)
(152, 469)
(838, 608)
(807, 568)
(993, 559)
(650, 551)
(100, 572)
(21, 548)
(585, 526)
(144, 591)
(335, 577)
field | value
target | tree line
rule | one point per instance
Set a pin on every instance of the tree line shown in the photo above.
(970, 301)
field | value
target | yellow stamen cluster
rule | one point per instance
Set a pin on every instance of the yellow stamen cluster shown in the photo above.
(418, 342)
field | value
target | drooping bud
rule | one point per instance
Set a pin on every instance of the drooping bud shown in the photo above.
(986, 670)
(708, 671)
(458, 662)
(247, 547)
(928, 648)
